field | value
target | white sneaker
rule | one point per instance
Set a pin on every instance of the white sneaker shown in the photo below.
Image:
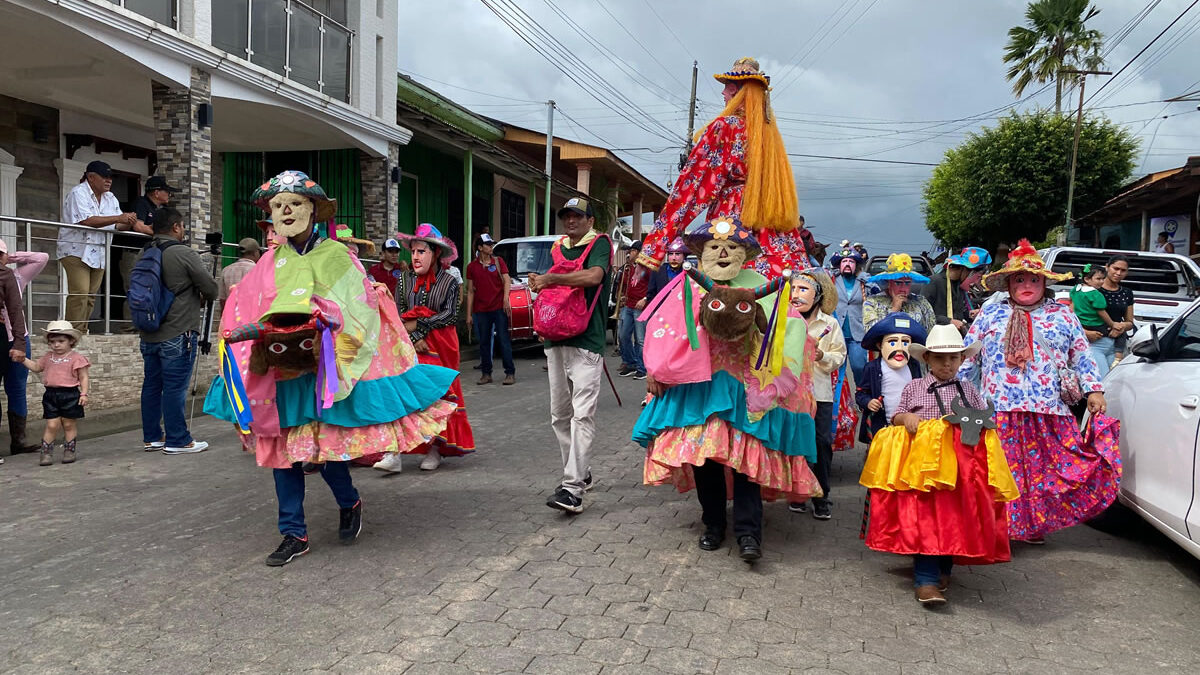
(433, 460)
(189, 449)
(390, 463)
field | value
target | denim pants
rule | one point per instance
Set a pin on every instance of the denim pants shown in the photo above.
(1103, 351)
(167, 372)
(927, 569)
(16, 376)
(289, 489)
(858, 359)
(485, 324)
(632, 334)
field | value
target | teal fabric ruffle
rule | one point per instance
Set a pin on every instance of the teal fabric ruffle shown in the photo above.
(724, 396)
(371, 402)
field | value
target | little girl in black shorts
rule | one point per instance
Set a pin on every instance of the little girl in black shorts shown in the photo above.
(65, 374)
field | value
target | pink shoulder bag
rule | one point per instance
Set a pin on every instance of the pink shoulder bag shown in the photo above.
(562, 312)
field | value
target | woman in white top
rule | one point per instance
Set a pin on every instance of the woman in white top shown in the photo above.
(814, 297)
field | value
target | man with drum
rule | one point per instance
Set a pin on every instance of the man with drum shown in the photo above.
(488, 285)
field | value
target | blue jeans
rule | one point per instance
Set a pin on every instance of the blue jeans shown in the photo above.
(289, 489)
(485, 324)
(15, 377)
(167, 371)
(928, 568)
(858, 359)
(1103, 351)
(631, 333)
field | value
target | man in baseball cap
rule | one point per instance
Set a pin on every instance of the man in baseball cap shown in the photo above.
(389, 268)
(577, 205)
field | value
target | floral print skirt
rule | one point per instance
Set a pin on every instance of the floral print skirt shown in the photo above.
(1064, 477)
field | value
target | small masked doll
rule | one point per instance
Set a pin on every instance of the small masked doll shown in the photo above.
(879, 391)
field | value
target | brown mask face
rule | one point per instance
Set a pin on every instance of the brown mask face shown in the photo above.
(290, 352)
(730, 314)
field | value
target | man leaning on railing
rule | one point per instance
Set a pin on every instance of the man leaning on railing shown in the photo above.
(81, 252)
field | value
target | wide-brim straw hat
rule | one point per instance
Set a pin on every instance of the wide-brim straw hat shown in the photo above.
(429, 234)
(945, 339)
(297, 182)
(1024, 258)
(744, 69)
(62, 328)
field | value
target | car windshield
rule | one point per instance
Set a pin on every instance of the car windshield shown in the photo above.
(878, 265)
(1147, 274)
(526, 256)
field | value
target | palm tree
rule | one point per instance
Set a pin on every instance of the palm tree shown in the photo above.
(1054, 37)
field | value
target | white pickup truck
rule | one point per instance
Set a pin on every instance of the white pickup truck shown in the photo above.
(1163, 284)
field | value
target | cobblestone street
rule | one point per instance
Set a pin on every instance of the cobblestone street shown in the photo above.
(136, 562)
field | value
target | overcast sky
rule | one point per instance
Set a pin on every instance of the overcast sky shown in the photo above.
(874, 79)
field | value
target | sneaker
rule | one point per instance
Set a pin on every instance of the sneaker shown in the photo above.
(798, 507)
(930, 596)
(647, 399)
(563, 500)
(639, 376)
(154, 446)
(433, 459)
(588, 483)
(189, 449)
(350, 523)
(390, 463)
(943, 583)
(626, 371)
(289, 549)
(822, 509)
(510, 378)
(484, 379)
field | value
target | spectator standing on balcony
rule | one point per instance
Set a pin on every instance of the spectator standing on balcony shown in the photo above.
(389, 268)
(248, 254)
(127, 247)
(488, 284)
(169, 352)
(81, 252)
(16, 375)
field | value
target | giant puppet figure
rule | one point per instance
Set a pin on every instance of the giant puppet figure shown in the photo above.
(732, 385)
(738, 169)
(316, 364)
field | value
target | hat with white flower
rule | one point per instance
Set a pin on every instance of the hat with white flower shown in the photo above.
(296, 182)
(725, 229)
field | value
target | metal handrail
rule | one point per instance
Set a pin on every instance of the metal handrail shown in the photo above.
(174, 11)
(26, 234)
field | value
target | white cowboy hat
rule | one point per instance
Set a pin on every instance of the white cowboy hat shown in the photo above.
(945, 339)
(62, 328)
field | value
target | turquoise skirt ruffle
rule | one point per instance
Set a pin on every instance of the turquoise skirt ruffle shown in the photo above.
(371, 402)
(686, 405)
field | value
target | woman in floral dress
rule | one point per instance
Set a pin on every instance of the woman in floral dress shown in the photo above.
(738, 168)
(1031, 347)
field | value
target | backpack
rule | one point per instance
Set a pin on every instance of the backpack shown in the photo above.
(562, 312)
(148, 299)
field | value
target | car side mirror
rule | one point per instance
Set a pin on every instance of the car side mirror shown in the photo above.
(1150, 349)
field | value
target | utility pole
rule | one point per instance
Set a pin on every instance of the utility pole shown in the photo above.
(549, 162)
(691, 118)
(1075, 146)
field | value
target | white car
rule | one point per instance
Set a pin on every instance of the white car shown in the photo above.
(1155, 392)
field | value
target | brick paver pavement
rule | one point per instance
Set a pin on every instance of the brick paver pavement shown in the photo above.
(135, 562)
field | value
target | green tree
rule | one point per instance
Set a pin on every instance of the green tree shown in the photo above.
(1054, 37)
(1010, 181)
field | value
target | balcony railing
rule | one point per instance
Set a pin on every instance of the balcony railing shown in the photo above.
(165, 12)
(287, 37)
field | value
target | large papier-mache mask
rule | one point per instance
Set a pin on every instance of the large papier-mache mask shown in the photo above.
(295, 202)
(730, 314)
(893, 348)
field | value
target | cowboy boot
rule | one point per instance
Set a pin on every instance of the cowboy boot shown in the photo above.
(47, 454)
(16, 429)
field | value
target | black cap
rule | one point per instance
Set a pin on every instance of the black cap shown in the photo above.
(99, 168)
(159, 183)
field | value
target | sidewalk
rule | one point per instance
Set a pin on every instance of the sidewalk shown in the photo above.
(139, 562)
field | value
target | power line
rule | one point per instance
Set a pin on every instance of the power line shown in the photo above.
(639, 44)
(669, 30)
(796, 73)
(861, 159)
(473, 91)
(1143, 50)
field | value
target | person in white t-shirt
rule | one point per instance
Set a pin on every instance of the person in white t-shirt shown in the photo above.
(80, 252)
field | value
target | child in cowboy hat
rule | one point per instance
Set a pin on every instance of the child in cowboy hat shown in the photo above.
(65, 374)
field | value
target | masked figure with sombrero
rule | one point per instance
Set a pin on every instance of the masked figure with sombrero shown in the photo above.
(738, 168)
(315, 363)
(732, 383)
(427, 300)
(1034, 362)
(897, 293)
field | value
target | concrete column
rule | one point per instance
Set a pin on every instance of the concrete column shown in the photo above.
(185, 150)
(583, 178)
(637, 216)
(381, 197)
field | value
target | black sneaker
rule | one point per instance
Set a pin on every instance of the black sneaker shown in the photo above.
(639, 376)
(588, 483)
(798, 507)
(563, 500)
(822, 509)
(290, 549)
(350, 523)
(626, 371)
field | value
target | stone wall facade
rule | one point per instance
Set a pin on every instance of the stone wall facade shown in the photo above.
(116, 372)
(185, 148)
(380, 196)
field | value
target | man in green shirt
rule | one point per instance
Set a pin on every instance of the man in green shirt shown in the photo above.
(576, 365)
